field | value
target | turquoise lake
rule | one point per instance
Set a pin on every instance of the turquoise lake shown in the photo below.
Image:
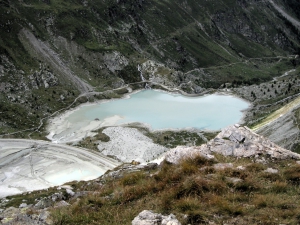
(161, 110)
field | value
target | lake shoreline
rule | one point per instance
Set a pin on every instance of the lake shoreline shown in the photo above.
(57, 124)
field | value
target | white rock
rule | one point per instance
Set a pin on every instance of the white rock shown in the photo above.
(70, 192)
(241, 168)
(23, 205)
(270, 170)
(179, 153)
(61, 204)
(233, 141)
(148, 217)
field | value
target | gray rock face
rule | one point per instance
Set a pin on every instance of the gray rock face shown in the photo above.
(19, 216)
(43, 78)
(179, 153)
(23, 205)
(44, 203)
(233, 141)
(242, 142)
(57, 197)
(44, 215)
(70, 192)
(148, 217)
(61, 204)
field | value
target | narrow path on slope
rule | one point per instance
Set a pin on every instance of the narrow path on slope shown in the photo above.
(244, 62)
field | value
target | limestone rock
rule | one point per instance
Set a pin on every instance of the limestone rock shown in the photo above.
(44, 216)
(271, 170)
(148, 217)
(20, 216)
(241, 168)
(44, 203)
(183, 152)
(61, 204)
(23, 205)
(233, 141)
(57, 197)
(70, 192)
(245, 143)
(43, 78)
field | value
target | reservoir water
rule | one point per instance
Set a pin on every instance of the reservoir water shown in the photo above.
(159, 110)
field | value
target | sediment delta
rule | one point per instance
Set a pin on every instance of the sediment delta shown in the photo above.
(28, 165)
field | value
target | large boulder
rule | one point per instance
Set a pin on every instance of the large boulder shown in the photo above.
(233, 141)
(179, 153)
(44, 203)
(243, 142)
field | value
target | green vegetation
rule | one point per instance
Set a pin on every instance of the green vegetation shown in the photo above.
(91, 142)
(102, 43)
(250, 72)
(171, 139)
(31, 198)
(271, 96)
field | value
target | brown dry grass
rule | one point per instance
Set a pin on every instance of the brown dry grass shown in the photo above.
(196, 193)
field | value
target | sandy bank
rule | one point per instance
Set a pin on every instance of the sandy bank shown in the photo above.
(61, 131)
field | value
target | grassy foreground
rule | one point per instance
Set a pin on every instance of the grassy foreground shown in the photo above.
(195, 191)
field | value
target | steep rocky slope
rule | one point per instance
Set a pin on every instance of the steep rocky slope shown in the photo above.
(51, 51)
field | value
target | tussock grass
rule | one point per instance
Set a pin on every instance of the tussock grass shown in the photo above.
(196, 193)
(293, 174)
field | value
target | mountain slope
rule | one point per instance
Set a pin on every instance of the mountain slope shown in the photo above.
(53, 50)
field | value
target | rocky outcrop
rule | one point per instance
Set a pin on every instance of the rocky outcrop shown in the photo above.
(147, 217)
(28, 214)
(233, 141)
(19, 216)
(43, 78)
(175, 155)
